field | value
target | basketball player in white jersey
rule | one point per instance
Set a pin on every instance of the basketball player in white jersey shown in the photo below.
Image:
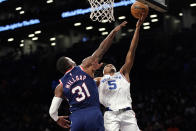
(114, 91)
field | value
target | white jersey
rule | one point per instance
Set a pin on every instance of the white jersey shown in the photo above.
(114, 92)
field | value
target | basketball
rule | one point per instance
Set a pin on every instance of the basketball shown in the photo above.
(138, 8)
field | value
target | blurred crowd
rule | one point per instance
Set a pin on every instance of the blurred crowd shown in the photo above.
(163, 83)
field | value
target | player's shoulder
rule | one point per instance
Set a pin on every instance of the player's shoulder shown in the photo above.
(117, 73)
(67, 73)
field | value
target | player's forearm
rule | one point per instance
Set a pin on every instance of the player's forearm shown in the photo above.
(134, 41)
(56, 102)
(105, 45)
(53, 111)
(131, 53)
(107, 42)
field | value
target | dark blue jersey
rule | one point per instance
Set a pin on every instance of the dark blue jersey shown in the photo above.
(80, 89)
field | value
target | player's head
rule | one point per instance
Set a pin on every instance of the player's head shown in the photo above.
(109, 68)
(64, 64)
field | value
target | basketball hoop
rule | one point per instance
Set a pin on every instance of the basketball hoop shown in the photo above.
(102, 10)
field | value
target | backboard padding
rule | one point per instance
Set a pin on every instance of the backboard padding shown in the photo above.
(155, 4)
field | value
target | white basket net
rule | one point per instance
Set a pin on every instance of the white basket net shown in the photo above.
(102, 10)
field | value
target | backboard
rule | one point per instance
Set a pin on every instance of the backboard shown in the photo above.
(158, 5)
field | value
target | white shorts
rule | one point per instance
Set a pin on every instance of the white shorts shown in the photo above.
(123, 121)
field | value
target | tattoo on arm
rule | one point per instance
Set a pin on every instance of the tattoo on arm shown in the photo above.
(104, 46)
(98, 54)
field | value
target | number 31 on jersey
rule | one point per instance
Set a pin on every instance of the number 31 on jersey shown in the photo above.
(81, 93)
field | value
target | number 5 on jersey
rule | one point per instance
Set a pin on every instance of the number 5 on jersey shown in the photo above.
(81, 92)
(112, 84)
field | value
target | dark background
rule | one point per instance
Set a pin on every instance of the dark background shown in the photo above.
(163, 78)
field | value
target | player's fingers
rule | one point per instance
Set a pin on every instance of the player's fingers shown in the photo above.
(124, 23)
(65, 121)
(142, 18)
(64, 126)
(67, 126)
(68, 121)
(65, 117)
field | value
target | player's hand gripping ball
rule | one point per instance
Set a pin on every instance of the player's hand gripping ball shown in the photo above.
(138, 8)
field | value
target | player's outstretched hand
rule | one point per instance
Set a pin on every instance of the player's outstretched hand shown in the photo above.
(140, 21)
(117, 28)
(63, 122)
(96, 65)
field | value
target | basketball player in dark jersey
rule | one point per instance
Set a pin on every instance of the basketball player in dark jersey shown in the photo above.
(80, 90)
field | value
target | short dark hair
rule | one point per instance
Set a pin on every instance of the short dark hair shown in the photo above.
(63, 64)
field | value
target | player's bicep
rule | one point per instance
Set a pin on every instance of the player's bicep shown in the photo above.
(59, 90)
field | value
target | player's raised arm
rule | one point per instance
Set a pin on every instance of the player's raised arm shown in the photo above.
(107, 42)
(103, 47)
(126, 68)
(56, 102)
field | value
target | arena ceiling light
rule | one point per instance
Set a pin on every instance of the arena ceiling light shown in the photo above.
(153, 16)
(130, 30)
(146, 23)
(176, 21)
(101, 29)
(49, 1)
(10, 39)
(193, 4)
(22, 41)
(53, 44)
(89, 28)
(146, 27)
(123, 34)
(52, 39)
(154, 20)
(35, 38)
(104, 33)
(22, 12)
(18, 8)
(38, 32)
(180, 14)
(121, 17)
(77, 24)
(21, 45)
(104, 21)
(167, 16)
(31, 35)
